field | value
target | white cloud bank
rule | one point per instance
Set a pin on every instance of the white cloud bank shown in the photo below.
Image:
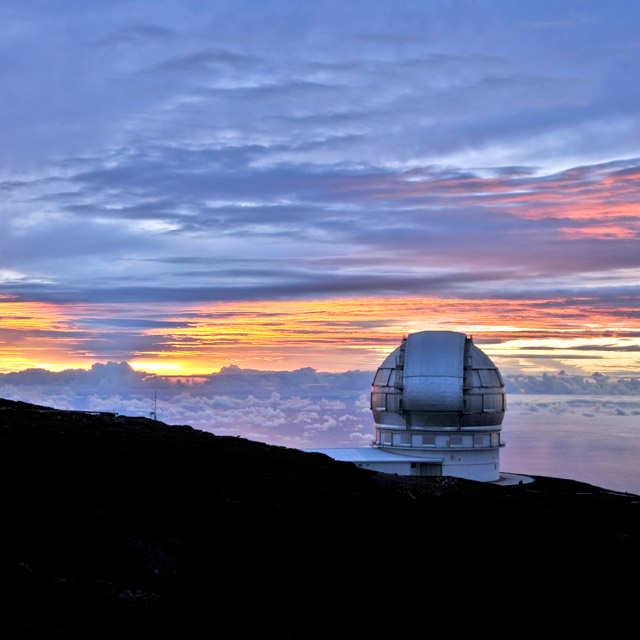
(293, 408)
(301, 408)
(585, 428)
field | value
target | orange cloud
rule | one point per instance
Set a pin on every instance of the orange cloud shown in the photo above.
(593, 193)
(330, 335)
(602, 231)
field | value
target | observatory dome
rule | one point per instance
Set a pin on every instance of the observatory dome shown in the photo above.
(438, 403)
(438, 379)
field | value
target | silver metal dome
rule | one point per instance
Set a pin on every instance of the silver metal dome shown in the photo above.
(438, 380)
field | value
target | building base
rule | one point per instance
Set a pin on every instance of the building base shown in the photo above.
(460, 464)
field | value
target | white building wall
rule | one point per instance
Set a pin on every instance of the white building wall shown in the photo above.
(401, 468)
(487, 472)
(442, 441)
(472, 464)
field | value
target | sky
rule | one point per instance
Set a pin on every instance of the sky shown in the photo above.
(281, 185)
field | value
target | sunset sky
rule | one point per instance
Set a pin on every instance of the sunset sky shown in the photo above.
(187, 185)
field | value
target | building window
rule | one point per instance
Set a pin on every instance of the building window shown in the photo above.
(492, 403)
(479, 440)
(429, 440)
(405, 438)
(456, 441)
(378, 401)
(489, 378)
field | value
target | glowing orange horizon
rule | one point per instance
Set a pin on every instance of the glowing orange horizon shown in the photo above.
(329, 335)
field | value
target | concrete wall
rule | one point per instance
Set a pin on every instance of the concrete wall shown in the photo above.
(481, 472)
(482, 464)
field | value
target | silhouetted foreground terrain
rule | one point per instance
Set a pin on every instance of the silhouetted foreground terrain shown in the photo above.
(126, 527)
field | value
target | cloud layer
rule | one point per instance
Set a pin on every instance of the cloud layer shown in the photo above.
(562, 425)
(299, 408)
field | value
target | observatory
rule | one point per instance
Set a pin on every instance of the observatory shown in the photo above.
(438, 403)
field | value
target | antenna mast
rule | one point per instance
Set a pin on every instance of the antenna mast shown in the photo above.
(154, 414)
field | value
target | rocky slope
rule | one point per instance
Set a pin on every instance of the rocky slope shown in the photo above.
(127, 527)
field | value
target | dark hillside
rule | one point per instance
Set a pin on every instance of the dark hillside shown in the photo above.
(127, 527)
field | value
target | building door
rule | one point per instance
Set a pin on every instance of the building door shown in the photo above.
(430, 468)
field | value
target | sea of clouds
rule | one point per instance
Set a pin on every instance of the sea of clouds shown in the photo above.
(293, 408)
(583, 427)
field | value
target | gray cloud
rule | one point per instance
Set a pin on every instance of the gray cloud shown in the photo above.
(585, 347)
(295, 285)
(204, 61)
(369, 212)
(597, 384)
(138, 34)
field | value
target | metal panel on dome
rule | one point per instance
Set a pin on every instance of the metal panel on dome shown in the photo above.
(479, 359)
(433, 371)
(391, 360)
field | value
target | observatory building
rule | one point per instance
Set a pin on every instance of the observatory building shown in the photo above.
(438, 403)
